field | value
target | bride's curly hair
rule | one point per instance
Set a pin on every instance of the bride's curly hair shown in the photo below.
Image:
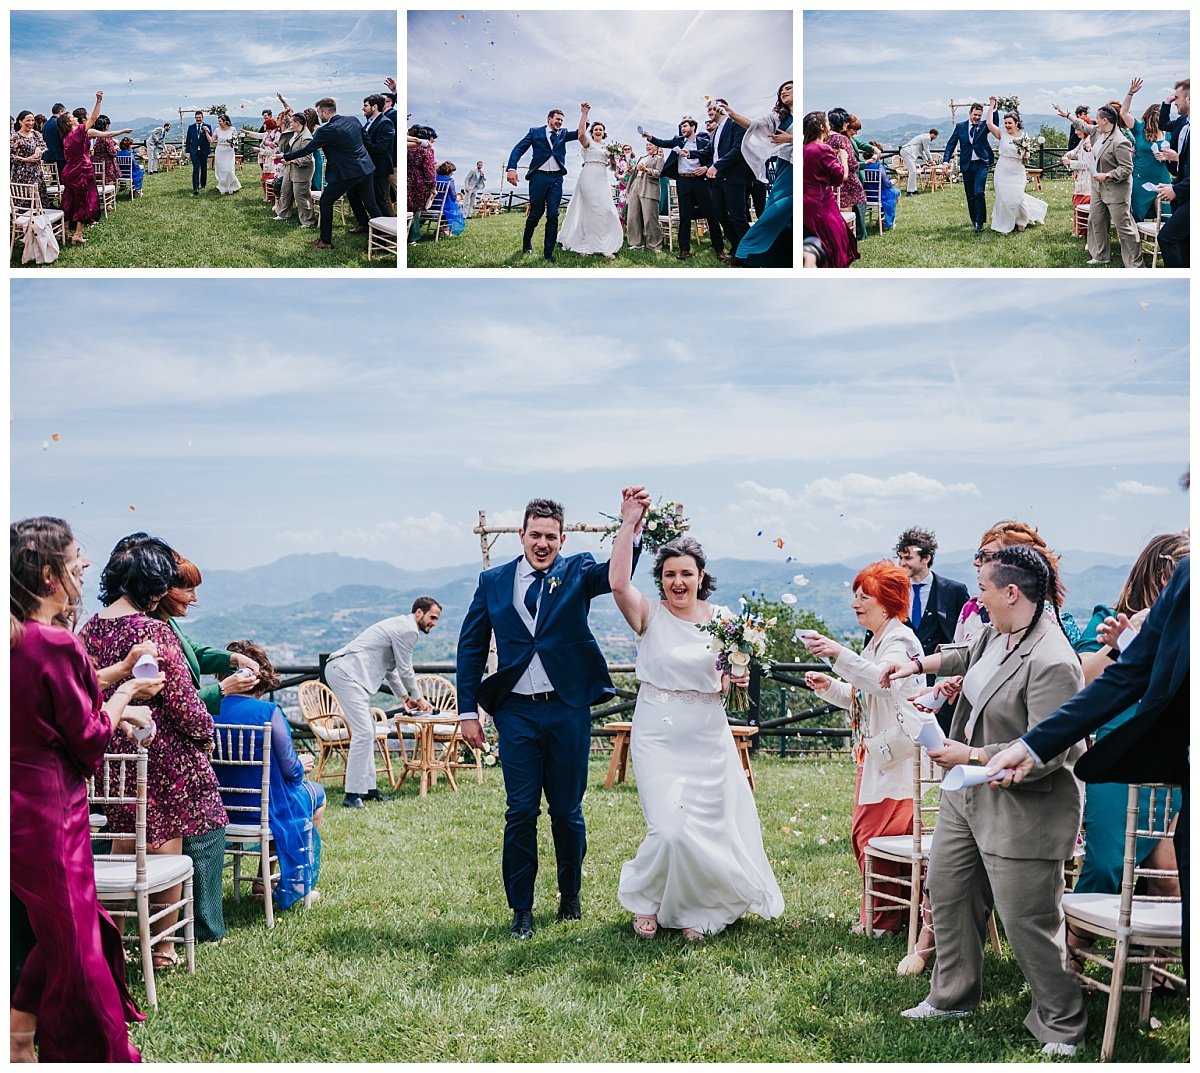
(674, 549)
(1016, 118)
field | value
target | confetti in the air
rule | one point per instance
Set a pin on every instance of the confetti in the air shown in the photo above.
(788, 598)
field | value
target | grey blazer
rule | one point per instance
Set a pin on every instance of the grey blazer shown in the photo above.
(1113, 154)
(1039, 817)
(302, 166)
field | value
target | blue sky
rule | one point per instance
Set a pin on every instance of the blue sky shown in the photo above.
(919, 61)
(149, 63)
(483, 81)
(950, 404)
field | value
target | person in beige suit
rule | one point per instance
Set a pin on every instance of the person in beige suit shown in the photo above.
(641, 203)
(1006, 850)
(1112, 187)
(297, 176)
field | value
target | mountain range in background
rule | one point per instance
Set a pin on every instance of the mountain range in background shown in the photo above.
(895, 129)
(144, 125)
(303, 605)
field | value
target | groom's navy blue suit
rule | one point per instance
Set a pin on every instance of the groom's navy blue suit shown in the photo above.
(544, 738)
(545, 187)
(198, 148)
(975, 156)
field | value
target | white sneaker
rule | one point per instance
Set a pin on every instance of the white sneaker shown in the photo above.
(922, 1010)
(637, 247)
(1067, 1050)
(1093, 261)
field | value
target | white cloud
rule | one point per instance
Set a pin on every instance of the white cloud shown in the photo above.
(860, 489)
(1123, 489)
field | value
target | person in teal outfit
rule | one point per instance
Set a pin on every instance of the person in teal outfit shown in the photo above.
(1146, 167)
(768, 243)
(1105, 806)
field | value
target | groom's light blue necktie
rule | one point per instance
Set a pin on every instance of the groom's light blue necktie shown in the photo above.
(916, 608)
(533, 592)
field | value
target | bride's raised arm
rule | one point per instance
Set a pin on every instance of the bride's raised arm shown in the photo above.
(584, 140)
(990, 115)
(633, 605)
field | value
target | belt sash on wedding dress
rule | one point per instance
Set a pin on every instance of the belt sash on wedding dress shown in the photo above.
(687, 696)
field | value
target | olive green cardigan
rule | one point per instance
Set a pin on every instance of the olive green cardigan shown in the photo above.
(204, 660)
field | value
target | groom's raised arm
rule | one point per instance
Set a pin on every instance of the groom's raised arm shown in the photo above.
(519, 149)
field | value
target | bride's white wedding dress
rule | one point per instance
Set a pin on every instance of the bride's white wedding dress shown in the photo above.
(702, 863)
(1012, 206)
(227, 180)
(592, 224)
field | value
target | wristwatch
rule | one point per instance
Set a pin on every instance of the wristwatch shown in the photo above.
(976, 758)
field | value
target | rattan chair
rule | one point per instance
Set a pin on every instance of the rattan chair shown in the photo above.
(124, 878)
(440, 693)
(237, 746)
(1142, 930)
(327, 721)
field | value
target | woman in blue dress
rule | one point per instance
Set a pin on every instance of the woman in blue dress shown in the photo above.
(127, 159)
(768, 243)
(452, 214)
(296, 804)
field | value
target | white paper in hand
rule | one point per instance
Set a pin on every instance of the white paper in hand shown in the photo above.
(931, 737)
(965, 775)
(146, 667)
(928, 700)
(1125, 639)
(140, 734)
(1152, 187)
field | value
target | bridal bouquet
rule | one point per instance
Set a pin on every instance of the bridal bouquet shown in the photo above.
(663, 523)
(1008, 104)
(737, 641)
(1025, 144)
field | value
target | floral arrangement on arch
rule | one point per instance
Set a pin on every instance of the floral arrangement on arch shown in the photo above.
(1009, 104)
(662, 524)
(738, 641)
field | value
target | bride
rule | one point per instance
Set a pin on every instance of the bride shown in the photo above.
(1013, 207)
(592, 224)
(702, 864)
(227, 180)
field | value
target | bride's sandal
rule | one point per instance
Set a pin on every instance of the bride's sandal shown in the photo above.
(645, 927)
(692, 935)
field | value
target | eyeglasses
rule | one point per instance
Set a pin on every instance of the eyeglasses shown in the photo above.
(982, 556)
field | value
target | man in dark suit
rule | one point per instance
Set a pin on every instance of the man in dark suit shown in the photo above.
(975, 156)
(1175, 237)
(198, 145)
(1153, 672)
(729, 177)
(937, 601)
(53, 139)
(547, 166)
(688, 165)
(379, 136)
(549, 672)
(348, 170)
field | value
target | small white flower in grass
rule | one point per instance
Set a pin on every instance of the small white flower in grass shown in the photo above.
(821, 842)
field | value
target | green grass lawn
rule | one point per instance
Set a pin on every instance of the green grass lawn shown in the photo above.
(407, 956)
(168, 228)
(495, 242)
(933, 230)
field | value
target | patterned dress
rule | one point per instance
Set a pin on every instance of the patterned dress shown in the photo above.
(183, 796)
(104, 151)
(852, 189)
(20, 172)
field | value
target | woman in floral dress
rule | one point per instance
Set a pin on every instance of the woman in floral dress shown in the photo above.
(183, 796)
(25, 155)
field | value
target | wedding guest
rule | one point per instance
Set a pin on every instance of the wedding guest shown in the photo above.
(70, 989)
(852, 197)
(52, 134)
(691, 153)
(155, 144)
(1112, 187)
(474, 187)
(80, 198)
(884, 721)
(267, 151)
(730, 176)
(421, 173)
(349, 170)
(1080, 163)
(379, 136)
(296, 804)
(1175, 237)
(38, 122)
(297, 184)
(1005, 850)
(643, 229)
(104, 152)
(824, 171)
(1075, 135)
(913, 152)
(1148, 138)
(768, 243)
(452, 215)
(183, 798)
(26, 147)
(889, 193)
(126, 158)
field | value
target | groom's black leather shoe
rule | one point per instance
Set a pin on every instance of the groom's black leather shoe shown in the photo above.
(568, 909)
(979, 229)
(522, 924)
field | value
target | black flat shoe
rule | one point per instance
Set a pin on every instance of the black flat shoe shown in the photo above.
(522, 924)
(353, 801)
(374, 795)
(568, 909)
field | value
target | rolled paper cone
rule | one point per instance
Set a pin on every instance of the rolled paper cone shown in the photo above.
(965, 775)
(928, 700)
(1152, 187)
(146, 667)
(931, 736)
(140, 734)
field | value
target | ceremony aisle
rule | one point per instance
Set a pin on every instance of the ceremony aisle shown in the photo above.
(407, 955)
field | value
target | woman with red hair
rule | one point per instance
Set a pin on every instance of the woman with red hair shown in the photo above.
(884, 721)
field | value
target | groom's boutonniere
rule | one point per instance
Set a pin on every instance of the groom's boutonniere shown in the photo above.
(553, 584)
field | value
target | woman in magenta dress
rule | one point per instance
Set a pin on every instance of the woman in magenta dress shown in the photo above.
(183, 796)
(80, 199)
(71, 989)
(824, 171)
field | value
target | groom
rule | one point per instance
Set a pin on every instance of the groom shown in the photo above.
(198, 146)
(974, 157)
(547, 166)
(550, 671)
